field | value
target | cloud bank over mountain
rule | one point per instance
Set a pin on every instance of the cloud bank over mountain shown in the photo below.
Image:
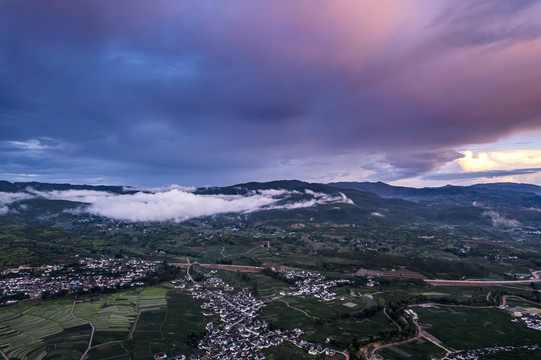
(174, 204)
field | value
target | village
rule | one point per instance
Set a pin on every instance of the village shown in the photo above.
(240, 334)
(532, 320)
(86, 274)
(477, 353)
(312, 283)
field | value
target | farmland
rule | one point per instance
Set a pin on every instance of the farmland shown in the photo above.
(30, 331)
(415, 350)
(46, 329)
(384, 260)
(464, 328)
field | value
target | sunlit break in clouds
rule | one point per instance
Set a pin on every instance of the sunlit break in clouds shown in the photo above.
(500, 160)
(198, 93)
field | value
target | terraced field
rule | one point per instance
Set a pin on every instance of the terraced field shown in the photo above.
(46, 329)
(153, 299)
(112, 313)
(25, 330)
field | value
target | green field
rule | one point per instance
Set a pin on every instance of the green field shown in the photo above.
(415, 350)
(46, 329)
(469, 328)
(345, 329)
(167, 328)
(30, 331)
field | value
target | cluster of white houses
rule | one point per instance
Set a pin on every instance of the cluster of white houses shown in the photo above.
(312, 283)
(239, 334)
(479, 353)
(532, 320)
(87, 274)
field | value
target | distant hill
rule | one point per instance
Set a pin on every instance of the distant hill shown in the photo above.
(510, 187)
(6, 186)
(291, 185)
(496, 195)
(373, 204)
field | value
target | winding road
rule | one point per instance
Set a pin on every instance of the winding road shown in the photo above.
(420, 333)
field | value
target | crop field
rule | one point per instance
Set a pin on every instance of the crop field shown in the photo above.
(436, 293)
(470, 328)
(282, 317)
(321, 308)
(26, 330)
(112, 313)
(69, 344)
(152, 299)
(110, 351)
(287, 351)
(415, 350)
(269, 287)
(47, 330)
(232, 278)
(523, 306)
(348, 329)
(168, 329)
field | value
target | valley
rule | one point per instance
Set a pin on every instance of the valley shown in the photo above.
(373, 259)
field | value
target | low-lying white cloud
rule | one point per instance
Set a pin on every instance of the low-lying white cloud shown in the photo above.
(177, 203)
(7, 198)
(500, 220)
(161, 189)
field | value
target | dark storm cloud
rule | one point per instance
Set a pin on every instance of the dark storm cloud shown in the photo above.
(208, 92)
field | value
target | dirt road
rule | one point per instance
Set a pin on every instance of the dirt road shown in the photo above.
(91, 325)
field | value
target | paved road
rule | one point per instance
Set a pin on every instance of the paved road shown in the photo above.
(241, 268)
(480, 282)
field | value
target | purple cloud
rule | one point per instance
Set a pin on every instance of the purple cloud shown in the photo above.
(213, 93)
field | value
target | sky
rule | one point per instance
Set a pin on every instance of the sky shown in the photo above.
(150, 93)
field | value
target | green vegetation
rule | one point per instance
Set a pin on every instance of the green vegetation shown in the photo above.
(29, 331)
(439, 236)
(415, 350)
(471, 328)
(46, 328)
(38, 245)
